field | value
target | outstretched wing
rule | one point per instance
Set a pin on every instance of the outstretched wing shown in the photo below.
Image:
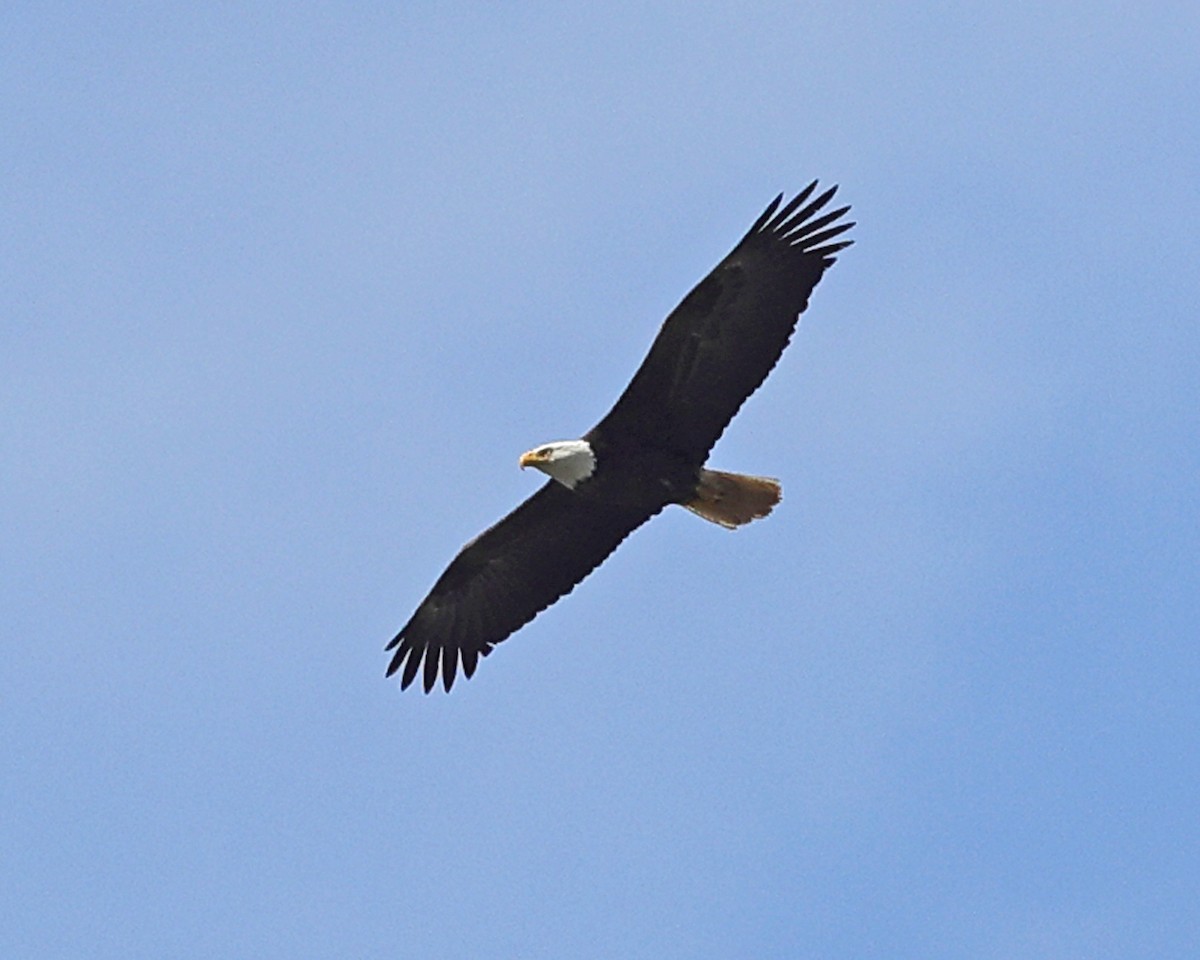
(506, 576)
(719, 344)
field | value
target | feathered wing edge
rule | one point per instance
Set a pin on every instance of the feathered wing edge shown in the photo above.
(791, 223)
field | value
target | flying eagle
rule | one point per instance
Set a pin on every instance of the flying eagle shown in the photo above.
(713, 351)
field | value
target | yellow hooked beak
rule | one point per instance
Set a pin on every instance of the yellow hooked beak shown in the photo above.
(531, 458)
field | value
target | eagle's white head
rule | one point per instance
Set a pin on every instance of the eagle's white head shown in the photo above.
(567, 461)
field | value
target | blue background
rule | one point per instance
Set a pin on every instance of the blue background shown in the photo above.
(287, 289)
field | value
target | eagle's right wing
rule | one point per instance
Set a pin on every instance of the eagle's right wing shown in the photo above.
(506, 576)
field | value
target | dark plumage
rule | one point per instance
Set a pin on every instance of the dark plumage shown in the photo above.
(649, 451)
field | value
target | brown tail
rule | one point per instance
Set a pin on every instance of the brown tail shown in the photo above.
(733, 499)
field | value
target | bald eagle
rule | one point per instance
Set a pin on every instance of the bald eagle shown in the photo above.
(648, 452)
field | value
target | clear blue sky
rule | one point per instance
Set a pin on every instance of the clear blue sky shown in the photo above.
(287, 289)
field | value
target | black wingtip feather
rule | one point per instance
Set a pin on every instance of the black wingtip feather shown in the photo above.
(799, 233)
(814, 242)
(410, 668)
(765, 215)
(399, 655)
(398, 637)
(782, 217)
(798, 218)
(431, 667)
(449, 667)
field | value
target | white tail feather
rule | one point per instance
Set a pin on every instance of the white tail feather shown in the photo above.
(734, 499)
